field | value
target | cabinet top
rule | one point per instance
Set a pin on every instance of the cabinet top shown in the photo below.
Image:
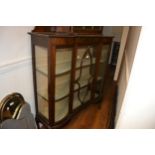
(70, 29)
(66, 35)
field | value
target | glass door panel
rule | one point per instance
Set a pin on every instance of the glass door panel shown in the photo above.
(84, 75)
(103, 60)
(102, 69)
(42, 106)
(63, 60)
(62, 79)
(41, 60)
(61, 109)
(81, 96)
(85, 57)
(42, 85)
(62, 86)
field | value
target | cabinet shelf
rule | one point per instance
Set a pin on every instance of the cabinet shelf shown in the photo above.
(60, 93)
(62, 110)
(84, 85)
(43, 97)
(76, 88)
(41, 72)
(65, 67)
(65, 70)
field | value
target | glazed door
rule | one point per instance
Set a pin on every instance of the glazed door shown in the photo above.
(84, 74)
(63, 65)
(102, 66)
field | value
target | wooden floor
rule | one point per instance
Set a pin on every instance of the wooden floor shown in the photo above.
(97, 116)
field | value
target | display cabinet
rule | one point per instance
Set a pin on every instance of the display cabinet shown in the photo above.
(69, 73)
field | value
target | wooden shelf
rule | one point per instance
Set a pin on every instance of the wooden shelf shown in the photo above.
(65, 67)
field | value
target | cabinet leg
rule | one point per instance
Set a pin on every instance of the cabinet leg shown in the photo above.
(37, 122)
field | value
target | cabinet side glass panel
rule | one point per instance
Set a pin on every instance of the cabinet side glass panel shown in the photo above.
(102, 68)
(103, 60)
(41, 60)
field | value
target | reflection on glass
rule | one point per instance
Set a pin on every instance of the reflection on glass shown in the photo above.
(41, 79)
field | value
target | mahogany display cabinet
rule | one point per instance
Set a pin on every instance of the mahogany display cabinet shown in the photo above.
(69, 72)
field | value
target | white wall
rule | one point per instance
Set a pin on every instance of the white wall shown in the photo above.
(115, 31)
(138, 109)
(15, 62)
(130, 44)
(122, 84)
(126, 64)
(121, 51)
